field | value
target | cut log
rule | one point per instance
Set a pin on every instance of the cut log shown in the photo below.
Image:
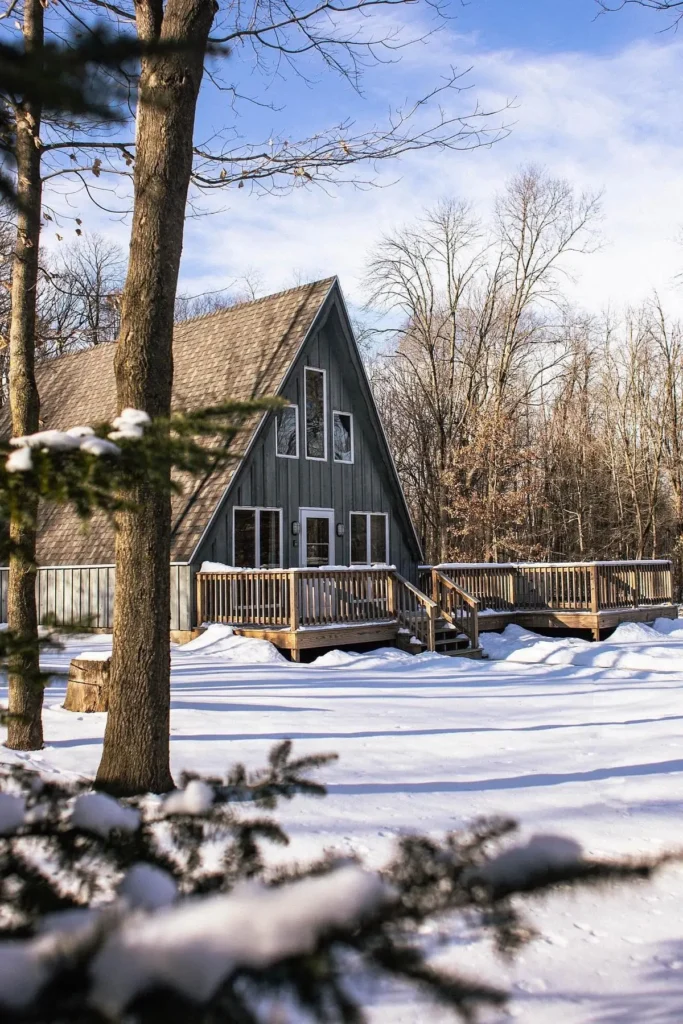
(88, 685)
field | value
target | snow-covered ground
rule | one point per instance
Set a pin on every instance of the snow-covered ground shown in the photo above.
(568, 736)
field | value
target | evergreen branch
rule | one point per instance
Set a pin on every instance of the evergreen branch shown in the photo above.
(192, 444)
(62, 854)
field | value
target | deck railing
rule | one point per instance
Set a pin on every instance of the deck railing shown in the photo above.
(307, 598)
(561, 586)
(457, 606)
(243, 598)
(295, 598)
(327, 597)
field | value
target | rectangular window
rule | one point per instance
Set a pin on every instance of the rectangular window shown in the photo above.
(378, 539)
(269, 538)
(257, 538)
(245, 538)
(359, 539)
(287, 432)
(342, 430)
(369, 538)
(316, 414)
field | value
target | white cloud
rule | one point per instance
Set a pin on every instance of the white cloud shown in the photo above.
(612, 122)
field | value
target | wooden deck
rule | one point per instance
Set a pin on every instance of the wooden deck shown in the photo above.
(594, 596)
(298, 609)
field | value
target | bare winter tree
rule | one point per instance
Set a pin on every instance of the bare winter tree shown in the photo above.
(48, 107)
(587, 455)
(245, 289)
(6, 256)
(479, 331)
(25, 731)
(78, 302)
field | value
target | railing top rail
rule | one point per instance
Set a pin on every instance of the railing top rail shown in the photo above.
(102, 565)
(426, 601)
(320, 570)
(548, 565)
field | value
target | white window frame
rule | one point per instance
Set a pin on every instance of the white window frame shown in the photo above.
(280, 455)
(368, 545)
(315, 458)
(344, 462)
(257, 532)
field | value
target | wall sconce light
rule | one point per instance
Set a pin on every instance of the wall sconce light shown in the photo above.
(295, 529)
(340, 529)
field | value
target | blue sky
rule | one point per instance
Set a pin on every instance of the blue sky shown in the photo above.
(595, 100)
(545, 26)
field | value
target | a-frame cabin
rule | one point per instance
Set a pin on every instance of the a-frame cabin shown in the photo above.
(307, 536)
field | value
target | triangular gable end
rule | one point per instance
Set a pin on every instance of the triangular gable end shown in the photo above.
(331, 318)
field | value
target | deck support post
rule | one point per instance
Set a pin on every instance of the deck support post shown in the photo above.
(293, 602)
(200, 602)
(511, 589)
(474, 618)
(435, 586)
(391, 595)
(431, 626)
(595, 597)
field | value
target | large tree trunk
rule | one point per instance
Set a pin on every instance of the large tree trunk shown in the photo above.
(136, 742)
(25, 729)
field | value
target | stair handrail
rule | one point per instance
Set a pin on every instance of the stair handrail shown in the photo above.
(471, 624)
(416, 626)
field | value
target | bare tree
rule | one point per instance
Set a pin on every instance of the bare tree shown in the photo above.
(245, 289)
(78, 303)
(34, 127)
(479, 309)
(25, 731)
(7, 237)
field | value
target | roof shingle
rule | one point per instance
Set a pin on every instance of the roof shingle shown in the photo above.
(237, 353)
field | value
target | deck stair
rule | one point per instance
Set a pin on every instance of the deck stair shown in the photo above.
(447, 638)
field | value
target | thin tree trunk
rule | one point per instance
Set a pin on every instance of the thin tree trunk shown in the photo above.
(136, 743)
(25, 729)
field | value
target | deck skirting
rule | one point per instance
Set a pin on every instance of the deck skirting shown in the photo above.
(598, 623)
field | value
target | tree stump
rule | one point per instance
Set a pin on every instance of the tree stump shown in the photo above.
(88, 685)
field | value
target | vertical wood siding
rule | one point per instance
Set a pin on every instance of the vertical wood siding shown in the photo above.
(85, 594)
(366, 485)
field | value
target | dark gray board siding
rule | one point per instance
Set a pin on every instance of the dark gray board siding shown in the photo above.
(367, 485)
(72, 594)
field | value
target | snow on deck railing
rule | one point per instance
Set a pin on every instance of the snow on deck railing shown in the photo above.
(218, 567)
(543, 565)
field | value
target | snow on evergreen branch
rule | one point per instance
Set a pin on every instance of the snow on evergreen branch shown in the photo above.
(162, 909)
(93, 468)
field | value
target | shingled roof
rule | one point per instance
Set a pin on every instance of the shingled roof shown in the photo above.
(237, 353)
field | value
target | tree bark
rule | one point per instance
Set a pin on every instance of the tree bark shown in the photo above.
(136, 743)
(25, 730)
